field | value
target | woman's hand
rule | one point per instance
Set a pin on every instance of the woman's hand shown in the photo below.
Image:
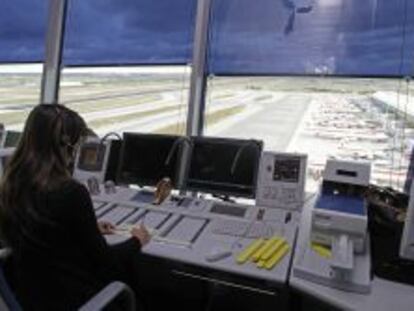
(141, 233)
(106, 227)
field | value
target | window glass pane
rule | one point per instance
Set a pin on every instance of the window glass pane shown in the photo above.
(129, 99)
(129, 32)
(341, 37)
(326, 118)
(22, 30)
(19, 93)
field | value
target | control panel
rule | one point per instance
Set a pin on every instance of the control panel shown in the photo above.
(281, 181)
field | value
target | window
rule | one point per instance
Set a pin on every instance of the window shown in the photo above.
(107, 32)
(22, 30)
(312, 37)
(105, 43)
(120, 99)
(22, 34)
(327, 118)
(322, 77)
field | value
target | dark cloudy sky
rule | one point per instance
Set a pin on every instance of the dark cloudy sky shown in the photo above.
(247, 36)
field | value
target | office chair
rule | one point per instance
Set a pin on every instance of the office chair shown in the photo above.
(101, 300)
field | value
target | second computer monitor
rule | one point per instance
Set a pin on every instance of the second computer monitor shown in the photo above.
(224, 166)
(11, 139)
(147, 158)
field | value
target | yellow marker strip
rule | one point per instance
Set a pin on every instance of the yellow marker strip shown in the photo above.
(321, 250)
(261, 263)
(249, 251)
(277, 256)
(258, 254)
(275, 247)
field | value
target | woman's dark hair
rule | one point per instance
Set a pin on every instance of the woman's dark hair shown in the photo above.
(41, 161)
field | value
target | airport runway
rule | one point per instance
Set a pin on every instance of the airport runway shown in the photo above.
(275, 123)
(160, 120)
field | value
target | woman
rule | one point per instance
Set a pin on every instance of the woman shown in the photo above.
(60, 257)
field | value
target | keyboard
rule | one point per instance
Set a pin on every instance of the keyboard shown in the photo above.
(245, 229)
(125, 230)
(103, 210)
(97, 205)
(117, 214)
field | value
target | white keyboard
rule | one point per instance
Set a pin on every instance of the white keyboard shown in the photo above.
(117, 214)
(125, 230)
(102, 210)
(239, 228)
(97, 205)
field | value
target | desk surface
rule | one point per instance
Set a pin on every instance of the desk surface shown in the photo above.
(385, 295)
(195, 254)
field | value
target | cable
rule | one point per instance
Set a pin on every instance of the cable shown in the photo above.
(400, 72)
(209, 108)
(209, 65)
(253, 143)
(175, 146)
(181, 105)
(402, 137)
(105, 137)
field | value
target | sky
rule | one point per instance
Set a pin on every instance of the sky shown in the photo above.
(345, 37)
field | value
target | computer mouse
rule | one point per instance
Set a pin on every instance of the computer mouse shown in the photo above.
(218, 253)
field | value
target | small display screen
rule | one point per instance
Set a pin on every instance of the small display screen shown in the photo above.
(91, 157)
(287, 169)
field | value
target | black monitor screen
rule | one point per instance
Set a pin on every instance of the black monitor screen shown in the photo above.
(12, 139)
(147, 158)
(224, 166)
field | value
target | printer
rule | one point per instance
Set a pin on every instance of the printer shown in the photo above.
(339, 217)
(336, 252)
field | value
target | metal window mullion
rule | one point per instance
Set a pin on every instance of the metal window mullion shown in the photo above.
(196, 104)
(53, 51)
(196, 101)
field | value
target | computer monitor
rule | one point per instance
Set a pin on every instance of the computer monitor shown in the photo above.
(12, 139)
(224, 166)
(147, 158)
(91, 156)
(97, 158)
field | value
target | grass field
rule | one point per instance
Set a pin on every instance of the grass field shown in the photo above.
(211, 119)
